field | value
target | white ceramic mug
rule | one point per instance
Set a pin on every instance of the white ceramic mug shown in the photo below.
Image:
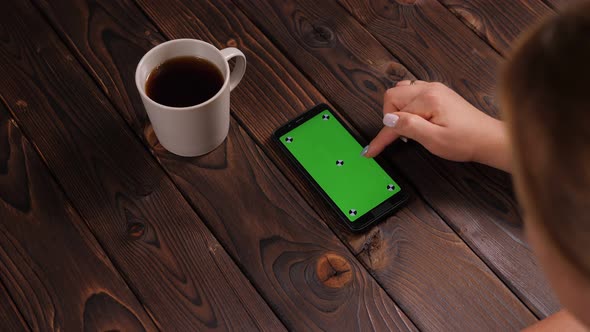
(198, 129)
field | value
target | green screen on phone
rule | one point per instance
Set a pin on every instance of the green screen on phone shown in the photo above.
(331, 155)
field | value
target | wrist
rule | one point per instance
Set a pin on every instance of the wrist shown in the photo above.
(494, 146)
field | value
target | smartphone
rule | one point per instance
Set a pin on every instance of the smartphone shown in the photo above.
(360, 190)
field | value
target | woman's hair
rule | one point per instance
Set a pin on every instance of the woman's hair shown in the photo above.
(545, 90)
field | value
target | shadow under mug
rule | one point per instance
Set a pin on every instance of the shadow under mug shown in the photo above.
(198, 129)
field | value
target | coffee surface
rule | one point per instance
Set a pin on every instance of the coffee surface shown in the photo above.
(184, 81)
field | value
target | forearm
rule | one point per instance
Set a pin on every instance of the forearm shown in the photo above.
(494, 146)
(561, 321)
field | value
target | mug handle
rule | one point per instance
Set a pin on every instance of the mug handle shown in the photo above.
(239, 69)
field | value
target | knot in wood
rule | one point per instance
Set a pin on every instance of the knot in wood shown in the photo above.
(396, 72)
(322, 33)
(318, 36)
(334, 270)
(135, 230)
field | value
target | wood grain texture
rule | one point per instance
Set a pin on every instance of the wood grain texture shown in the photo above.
(352, 69)
(51, 264)
(262, 103)
(10, 318)
(560, 5)
(499, 23)
(433, 44)
(308, 276)
(170, 260)
(297, 263)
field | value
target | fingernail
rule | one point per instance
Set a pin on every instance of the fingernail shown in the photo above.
(365, 150)
(390, 119)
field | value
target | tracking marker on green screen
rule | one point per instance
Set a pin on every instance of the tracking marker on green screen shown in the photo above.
(331, 156)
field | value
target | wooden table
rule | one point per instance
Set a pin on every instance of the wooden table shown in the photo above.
(101, 228)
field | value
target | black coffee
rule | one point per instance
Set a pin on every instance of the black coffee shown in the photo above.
(184, 81)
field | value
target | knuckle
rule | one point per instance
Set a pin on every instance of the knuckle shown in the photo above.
(389, 94)
(433, 98)
(431, 95)
(409, 122)
(438, 85)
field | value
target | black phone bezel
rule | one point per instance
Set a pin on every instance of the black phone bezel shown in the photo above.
(382, 210)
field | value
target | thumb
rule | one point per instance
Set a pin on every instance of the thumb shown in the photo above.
(412, 126)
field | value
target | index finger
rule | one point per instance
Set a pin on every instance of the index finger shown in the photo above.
(385, 137)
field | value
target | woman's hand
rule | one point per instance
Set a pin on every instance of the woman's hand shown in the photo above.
(443, 122)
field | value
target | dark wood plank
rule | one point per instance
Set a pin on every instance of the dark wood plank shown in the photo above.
(413, 274)
(499, 23)
(304, 271)
(351, 68)
(10, 317)
(170, 260)
(433, 44)
(51, 264)
(381, 258)
(562, 4)
(310, 278)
